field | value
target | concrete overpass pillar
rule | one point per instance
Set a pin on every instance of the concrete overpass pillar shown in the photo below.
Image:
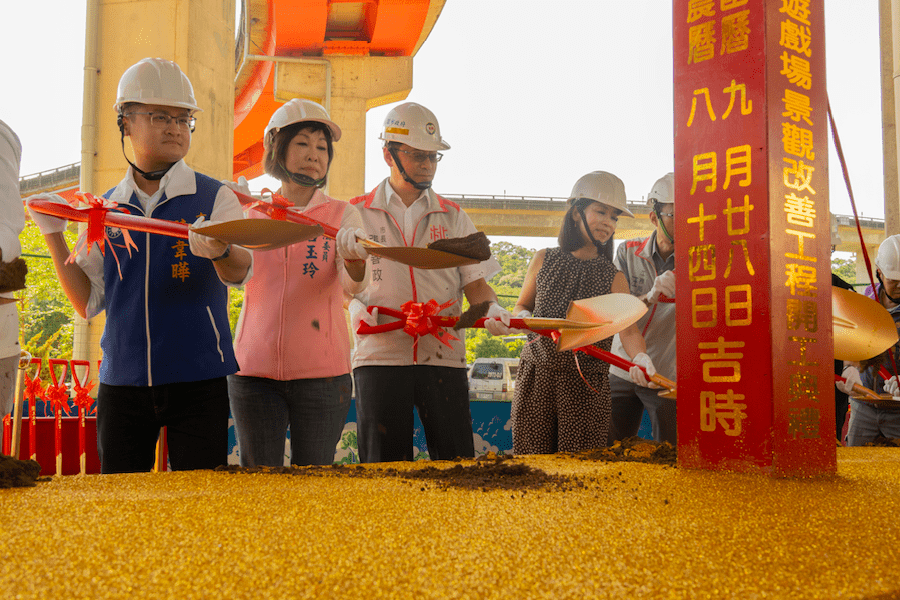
(199, 36)
(347, 86)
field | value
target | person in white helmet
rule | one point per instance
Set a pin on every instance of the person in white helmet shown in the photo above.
(649, 267)
(562, 402)
(393, 371)
(868, 421)
(291, 340)
(12, 221)
(167, 342)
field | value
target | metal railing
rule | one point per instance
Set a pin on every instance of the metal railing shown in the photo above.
(49, 180)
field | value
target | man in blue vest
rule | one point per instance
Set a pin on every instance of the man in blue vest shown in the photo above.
(167, 343)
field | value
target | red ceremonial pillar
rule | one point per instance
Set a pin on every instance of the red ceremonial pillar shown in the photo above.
(755, 349)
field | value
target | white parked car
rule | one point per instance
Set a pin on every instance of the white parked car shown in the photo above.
(493, 379)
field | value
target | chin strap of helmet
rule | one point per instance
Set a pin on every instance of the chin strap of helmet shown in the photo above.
(419, 185)
(579, 206)
(148, 175)
(884, 289)
(661, 224)
(306, 180)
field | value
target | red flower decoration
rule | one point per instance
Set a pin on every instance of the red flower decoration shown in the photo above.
(83, 398)
(34, 388)
(420, 321)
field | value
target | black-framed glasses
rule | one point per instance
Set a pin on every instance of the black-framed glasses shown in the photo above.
(162, 120)
(421, 156)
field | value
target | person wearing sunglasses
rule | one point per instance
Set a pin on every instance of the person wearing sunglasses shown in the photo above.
(167, 346)
(393, 371)
(649, 266)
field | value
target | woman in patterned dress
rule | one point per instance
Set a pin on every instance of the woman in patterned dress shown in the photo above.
(560, 404)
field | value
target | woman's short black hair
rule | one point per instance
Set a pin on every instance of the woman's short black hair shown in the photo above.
(570, 237)
(273, 163)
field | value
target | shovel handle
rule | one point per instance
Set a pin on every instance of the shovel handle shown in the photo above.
(271, 210)
(859, 389)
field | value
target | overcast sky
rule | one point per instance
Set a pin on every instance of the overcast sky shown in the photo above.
(530, 95)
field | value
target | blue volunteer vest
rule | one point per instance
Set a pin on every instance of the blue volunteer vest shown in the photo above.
(167, 316)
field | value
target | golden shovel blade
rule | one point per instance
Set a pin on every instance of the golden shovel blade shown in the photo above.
(611, 312)
(421, 258)
(862, 327)
(259, 234)
(883, 400)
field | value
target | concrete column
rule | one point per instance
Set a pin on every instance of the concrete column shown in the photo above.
(890, 89)
(199, 36)
(357, 83)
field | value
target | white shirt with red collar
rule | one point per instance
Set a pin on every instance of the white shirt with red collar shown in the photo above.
(388, 221)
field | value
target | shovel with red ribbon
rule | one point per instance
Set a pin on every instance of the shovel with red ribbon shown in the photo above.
(282, 209)
(587, 321)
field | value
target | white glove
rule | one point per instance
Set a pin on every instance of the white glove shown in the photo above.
(637, 375)
(663, 284)
(348, 245)
(890, 386)
(203, 245)
(851, 374)
(240, 186)
(359, 314)
(497, 322)
(47, 223)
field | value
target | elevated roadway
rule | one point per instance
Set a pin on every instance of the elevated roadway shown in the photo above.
(517, 216)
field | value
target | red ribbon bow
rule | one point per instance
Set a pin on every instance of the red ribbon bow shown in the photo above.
(34, 388)
(96, 230)
(83, 398)
(420, 321)
(58, 398)
(276, 209)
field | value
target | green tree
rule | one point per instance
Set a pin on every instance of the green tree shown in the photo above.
(45, 314)
(844, 268)
(514, 261)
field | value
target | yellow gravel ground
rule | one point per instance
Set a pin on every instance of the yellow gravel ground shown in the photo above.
(633, 531)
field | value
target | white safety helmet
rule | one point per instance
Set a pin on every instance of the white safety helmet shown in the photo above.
(888, 258)
(414, 125)
(295, 111)
(156, 81)
(601, 187)
(663, 190)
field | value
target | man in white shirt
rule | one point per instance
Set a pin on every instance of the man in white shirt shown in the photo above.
(393, 371)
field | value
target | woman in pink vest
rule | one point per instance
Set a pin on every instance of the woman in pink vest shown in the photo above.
(292, 343)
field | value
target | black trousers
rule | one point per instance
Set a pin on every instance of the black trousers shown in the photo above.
(385, 397)
(129, 419)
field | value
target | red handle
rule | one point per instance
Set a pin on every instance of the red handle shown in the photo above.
(87, 373)
(276, 212)
(57, 362)
(130, 222)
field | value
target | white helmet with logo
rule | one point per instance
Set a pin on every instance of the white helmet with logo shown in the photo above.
(888, 258)
(299, 110)
(156, 81)
(663, 190)
(601, 187)
(414, 125)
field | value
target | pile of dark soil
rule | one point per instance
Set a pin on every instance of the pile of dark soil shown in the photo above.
(634, 449)
(12, 275)
(18, 473)
(885, 442)
(490, 472)
(476, 245)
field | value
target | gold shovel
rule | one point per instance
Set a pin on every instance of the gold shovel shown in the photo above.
(862, 327)
(24, 361)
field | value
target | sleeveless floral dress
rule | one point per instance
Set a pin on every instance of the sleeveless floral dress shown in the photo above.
(554, 409)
